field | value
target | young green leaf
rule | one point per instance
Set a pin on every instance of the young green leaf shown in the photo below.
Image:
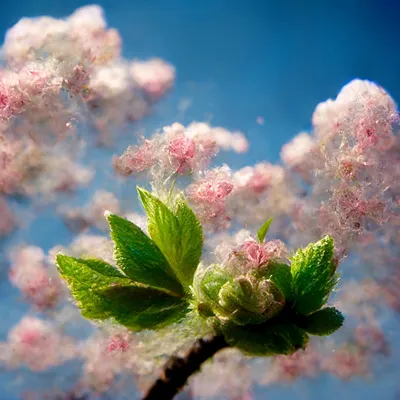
(178, 234)
(101, 267)
(323, 322)
(191, 241)
(102, 295)
(140, 258)
(91, 273)
(313, 272)
(266, 339)
(83, 278)
(262, 233)
(139, 308)
(163, 227)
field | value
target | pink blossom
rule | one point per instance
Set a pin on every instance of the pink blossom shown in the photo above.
(259, 178)
(255, 252)
(297, 151)
(260, 253)
(12, 100)
(38, 283)
(135, 159)
(182, 149)
(10, 173)
(221, 137)
(346, 363)
(252, 254)
(209, 191)
(105, 358)
(34, 79)
(78, 81)
(38, 345)
(117, 343)
(154, 76)
(371, 338)
(289, 368)
(209, 194)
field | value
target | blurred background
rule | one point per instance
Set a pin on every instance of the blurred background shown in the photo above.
(257, 66)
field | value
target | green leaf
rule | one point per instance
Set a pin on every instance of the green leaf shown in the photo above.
(191, 241)
(323, 322)
(103, 268)
(264, 230)
(163, 227)
(314, 278)
(100, 295)
(140, 258)
(91, 273)
(143, 308)
(280, 274)
(83, 278)
(179, 235)
(266, 339)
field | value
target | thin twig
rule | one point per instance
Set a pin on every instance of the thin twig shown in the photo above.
(178, 369)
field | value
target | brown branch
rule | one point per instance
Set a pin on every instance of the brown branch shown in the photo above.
(178, 369)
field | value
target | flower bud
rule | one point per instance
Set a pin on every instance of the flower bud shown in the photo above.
(242, 300)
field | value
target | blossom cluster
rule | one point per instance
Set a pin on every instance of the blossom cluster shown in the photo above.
(355, 173)
(36, 344)
(60, 79)
(37, 280)
(178, 150)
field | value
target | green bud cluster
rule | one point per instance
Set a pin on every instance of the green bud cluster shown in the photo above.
(242, 300)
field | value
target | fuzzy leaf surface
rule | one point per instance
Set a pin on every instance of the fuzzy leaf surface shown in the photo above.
(105, 296)
(323, 322)
(178, 234)
(314, 278)
(191, 241)
(140, 258)
(267, 339)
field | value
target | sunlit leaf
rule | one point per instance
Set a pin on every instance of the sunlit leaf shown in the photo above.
(314, 278)
(262, 232)
(105, 296)
(139, 257)
(323, 322)
(191, 241)
(178, 234)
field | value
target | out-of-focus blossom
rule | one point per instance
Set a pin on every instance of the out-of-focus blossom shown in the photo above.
(135, 159)
(154, 76)
(346, 363)
(79, 219)
(39, 283)
(297, 151)
(7, 220)
(289, 368)
(106, 356)
(36, 344)
(208, 194)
